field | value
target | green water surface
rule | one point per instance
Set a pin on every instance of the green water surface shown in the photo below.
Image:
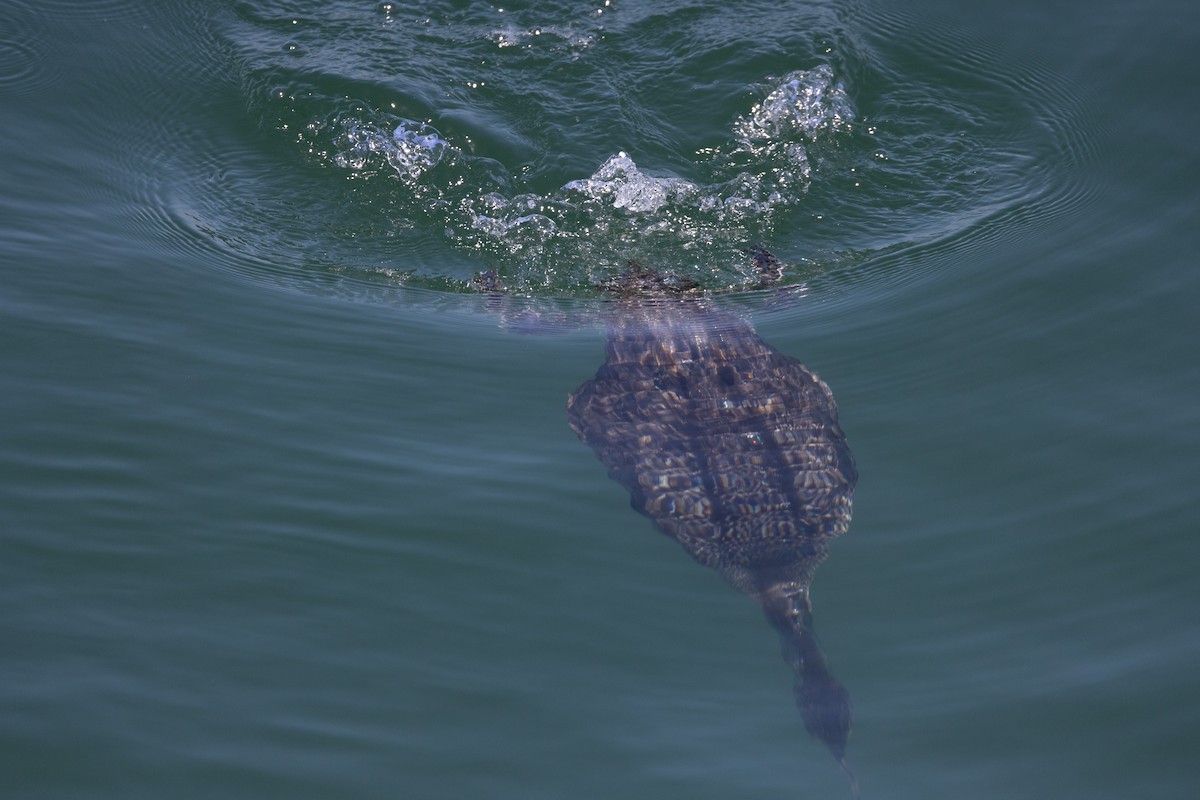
(288, 510)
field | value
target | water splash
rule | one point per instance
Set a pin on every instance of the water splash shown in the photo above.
(620, 181)
(774, 143)
(590, 226)
(803, 104)
(559, 37)
(411, 150)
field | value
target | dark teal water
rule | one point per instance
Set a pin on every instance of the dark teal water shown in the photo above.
(289, 509)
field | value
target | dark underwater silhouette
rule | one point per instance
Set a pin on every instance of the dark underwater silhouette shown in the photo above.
(732, 449)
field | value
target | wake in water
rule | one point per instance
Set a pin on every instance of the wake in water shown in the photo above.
(592, 225)
(455, 137)
(550, 143)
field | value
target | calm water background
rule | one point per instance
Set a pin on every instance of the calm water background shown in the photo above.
(287, 510)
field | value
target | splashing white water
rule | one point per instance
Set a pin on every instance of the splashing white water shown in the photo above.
(803, 103)
(605, 218)
(627, 187)
(411, 149)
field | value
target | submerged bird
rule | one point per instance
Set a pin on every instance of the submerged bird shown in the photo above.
(732, 449)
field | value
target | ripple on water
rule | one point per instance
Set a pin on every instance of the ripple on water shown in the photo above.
(413, 150)
(975, 137)
(592, 224)
(26, 52)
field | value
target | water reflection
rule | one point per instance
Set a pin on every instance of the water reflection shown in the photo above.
(734, 450)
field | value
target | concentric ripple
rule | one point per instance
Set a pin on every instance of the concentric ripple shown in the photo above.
(26, 63)
(542, 143)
